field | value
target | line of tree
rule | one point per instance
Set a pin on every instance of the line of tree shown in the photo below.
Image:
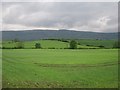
(72, 44)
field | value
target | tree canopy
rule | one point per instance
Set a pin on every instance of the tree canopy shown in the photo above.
(37, 45)
(73, 44)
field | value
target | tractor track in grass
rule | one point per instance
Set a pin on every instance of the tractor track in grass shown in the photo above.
(78, 65)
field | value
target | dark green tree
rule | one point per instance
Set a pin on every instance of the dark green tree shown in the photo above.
(73, 44)
(16, 40)
(37, 45)
(101, 46)
(116, 44)
(19, 45)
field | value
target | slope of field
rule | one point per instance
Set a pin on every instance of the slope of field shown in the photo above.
(47, 44)
(91, 42)
(39, 68)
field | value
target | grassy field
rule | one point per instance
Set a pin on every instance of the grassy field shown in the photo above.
(105, 43)
(0, 68)
(46, 44)
(51, 68)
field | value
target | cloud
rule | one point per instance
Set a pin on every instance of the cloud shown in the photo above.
(56, 15)
(103, 21)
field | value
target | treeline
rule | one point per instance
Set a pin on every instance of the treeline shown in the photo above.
(20, 45)
(73, 44)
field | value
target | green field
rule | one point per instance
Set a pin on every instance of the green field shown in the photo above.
(50, 44)
(105, 43)
(62, 68)
(0, 68)
(45, 44)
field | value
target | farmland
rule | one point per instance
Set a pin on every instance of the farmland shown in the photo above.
(60, 68)
(59, 45)
(91, 42)
(50, 44)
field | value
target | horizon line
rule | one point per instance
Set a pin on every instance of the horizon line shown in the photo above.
(57, 30)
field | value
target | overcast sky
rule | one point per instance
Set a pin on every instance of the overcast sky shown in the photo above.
(96, 17)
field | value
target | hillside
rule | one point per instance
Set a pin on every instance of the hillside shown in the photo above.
(56, 34)
(45, 44)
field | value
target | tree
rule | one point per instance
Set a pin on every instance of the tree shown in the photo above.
(101, 46)
(19, 45)
(37, 45)
(116, 44)
(73, 44)
(16, 40)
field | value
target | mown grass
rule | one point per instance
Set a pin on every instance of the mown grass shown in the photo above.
(51, 68)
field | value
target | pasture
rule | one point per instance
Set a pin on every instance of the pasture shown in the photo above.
(60, 68)
(45, 44)
(91, 42)
(55, 44)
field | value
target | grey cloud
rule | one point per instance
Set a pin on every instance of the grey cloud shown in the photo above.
(68, 15)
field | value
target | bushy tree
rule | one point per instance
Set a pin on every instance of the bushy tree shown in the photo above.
(19, 45)
(73, 44)
(37, 45)
(116, 44)
(16, 40)
(101, 46)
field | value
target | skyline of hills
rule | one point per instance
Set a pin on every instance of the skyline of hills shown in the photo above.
(56, 34)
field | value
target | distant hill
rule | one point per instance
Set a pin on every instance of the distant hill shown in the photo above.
(56, 34)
